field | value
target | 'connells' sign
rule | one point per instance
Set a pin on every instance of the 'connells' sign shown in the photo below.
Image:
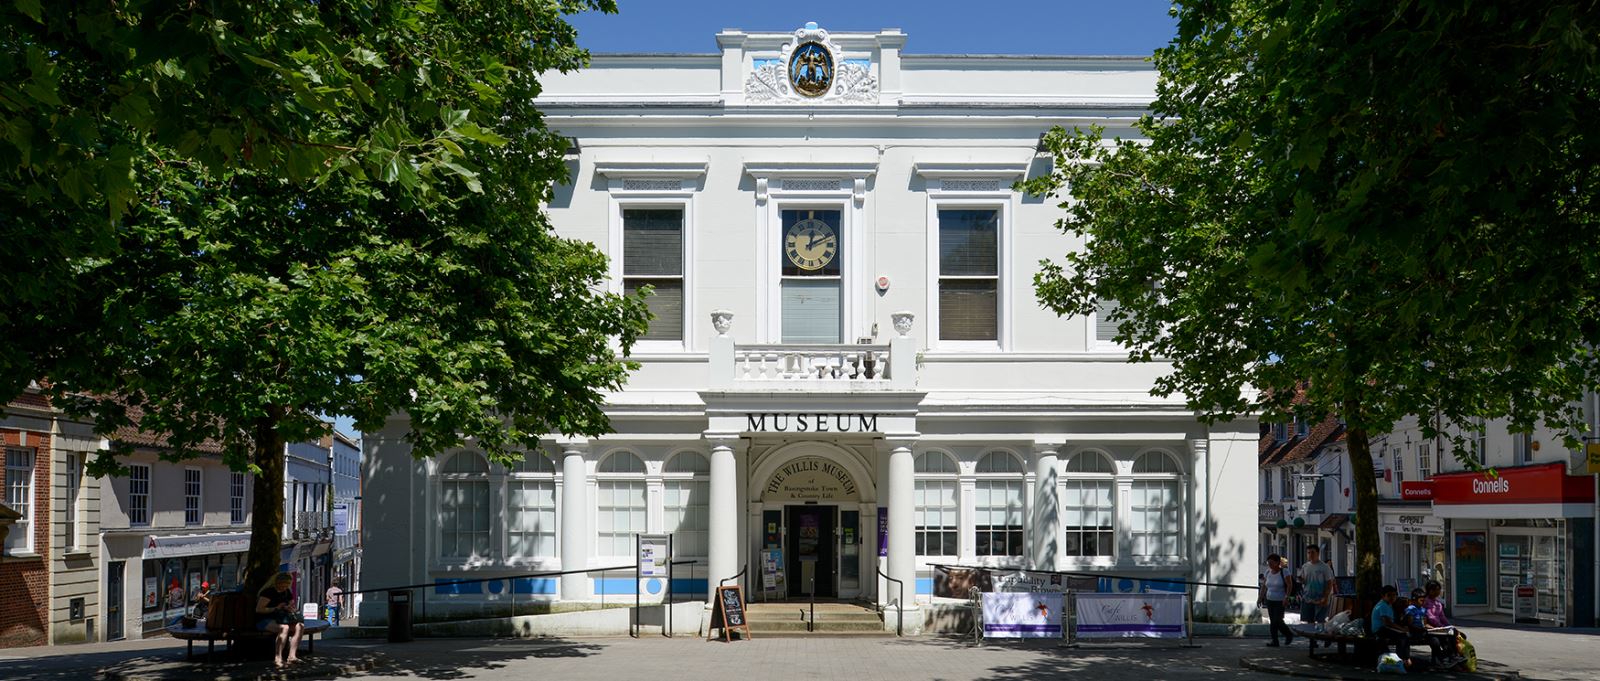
(811, 423)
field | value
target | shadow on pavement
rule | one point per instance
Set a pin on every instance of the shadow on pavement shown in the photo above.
(427, 659)
(1214, 658)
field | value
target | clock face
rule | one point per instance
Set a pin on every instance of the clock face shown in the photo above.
(811, 244)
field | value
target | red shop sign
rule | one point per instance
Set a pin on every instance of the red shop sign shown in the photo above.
(1416, 490)
(1542, 484)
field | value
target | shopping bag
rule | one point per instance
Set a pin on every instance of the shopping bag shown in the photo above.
(1468, 652)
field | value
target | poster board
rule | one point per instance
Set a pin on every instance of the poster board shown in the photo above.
(772, 571)
(728, 615)
(1022, 614)
(1146, 615)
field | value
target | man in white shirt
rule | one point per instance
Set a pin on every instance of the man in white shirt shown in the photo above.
(1316, 587)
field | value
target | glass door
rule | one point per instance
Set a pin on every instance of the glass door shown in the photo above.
(849, 553)
(812, 286)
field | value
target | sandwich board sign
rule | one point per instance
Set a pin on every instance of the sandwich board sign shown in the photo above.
(728, 615)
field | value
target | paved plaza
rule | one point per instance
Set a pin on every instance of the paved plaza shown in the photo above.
(1546, 655)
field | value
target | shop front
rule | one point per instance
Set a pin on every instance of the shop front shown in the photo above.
(1414, 549)
(1527, 528)
(172, 568)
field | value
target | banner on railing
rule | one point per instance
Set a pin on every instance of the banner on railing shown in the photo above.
(1147, 615)
(1022, 615)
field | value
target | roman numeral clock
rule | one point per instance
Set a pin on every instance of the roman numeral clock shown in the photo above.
(811, 244)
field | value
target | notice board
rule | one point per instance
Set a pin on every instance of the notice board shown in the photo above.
(728, 615)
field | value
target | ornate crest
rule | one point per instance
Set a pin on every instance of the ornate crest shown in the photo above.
(811, 68)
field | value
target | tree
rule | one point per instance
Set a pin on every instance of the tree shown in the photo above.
(1389, 204)
(316, 209)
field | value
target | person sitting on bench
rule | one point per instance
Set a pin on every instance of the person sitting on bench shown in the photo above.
(276, 615)
(1387, 628)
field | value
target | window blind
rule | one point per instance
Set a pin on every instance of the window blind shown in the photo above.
(1105, 328)
(811, 311)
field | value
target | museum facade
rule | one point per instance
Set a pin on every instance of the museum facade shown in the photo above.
(848, 377)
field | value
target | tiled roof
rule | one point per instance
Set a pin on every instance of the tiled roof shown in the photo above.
(134, 435)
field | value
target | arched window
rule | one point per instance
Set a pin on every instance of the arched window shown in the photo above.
(686, 489)
(938, 515)
(531, 508)
(1088, 506)
(1156, 507)
(620, 503)
(464, 507)
(998, 505)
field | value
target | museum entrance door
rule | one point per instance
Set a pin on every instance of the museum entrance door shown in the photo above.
(811, 551)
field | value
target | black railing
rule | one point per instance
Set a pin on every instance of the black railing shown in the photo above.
(1069, 573)
(738, 575)
(899, 605)
(811, 620)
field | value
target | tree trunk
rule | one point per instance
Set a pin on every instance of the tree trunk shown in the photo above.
(266, 514)
(1369, 568)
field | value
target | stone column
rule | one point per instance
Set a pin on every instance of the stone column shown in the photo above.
(902, 522)
(723, 523)
(574, 520)
(1045, 549)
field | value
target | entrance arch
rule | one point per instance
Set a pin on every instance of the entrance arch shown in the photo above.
(811, 507)
(779, 457)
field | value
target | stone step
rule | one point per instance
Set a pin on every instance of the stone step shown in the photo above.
(821, 617)
(823, 626)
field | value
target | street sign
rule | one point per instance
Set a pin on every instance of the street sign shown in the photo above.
(1593, 450)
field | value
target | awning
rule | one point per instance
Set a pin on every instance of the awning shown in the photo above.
(1333, 522)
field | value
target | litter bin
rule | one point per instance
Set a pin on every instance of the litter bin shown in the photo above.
(399, 616)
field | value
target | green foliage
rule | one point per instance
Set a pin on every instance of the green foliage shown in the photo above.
(237, 216)
(1389, 204)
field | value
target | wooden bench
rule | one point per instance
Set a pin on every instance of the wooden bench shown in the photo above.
(199, 632)
(1366, 647)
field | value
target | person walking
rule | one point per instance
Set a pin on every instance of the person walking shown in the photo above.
(1316, 583)
(334, 600)
(1273, 593)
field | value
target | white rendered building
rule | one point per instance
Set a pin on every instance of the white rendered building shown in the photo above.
(846, 331)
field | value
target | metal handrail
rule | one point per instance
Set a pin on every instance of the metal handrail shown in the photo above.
(737, 575)
(1070, 573)
(899, 605)
(811, 620)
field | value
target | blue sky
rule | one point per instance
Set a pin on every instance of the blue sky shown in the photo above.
(1122, 27)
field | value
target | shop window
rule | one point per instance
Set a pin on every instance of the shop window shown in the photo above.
(969, 274)
(937, 513)
(998, 505)
(1157, 506)
(19, 496)
(652, 255)
(192, 514)
(1088, 506)
(464, 507)
(531, 502)
(686, 505)
(621, 504)
(138, 494)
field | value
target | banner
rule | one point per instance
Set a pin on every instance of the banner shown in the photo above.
(1022, 615)
(1148, 615)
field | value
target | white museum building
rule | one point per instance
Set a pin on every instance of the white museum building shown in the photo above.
(848, 363)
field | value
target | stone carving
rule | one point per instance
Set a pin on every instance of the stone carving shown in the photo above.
(853, 83)
(970, 185)
(722, 321)
(807, 185)
(639, 185)
(902, 322)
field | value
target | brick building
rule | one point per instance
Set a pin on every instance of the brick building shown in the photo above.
(25, 434)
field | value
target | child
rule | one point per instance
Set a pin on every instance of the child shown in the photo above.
(1416, 618)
